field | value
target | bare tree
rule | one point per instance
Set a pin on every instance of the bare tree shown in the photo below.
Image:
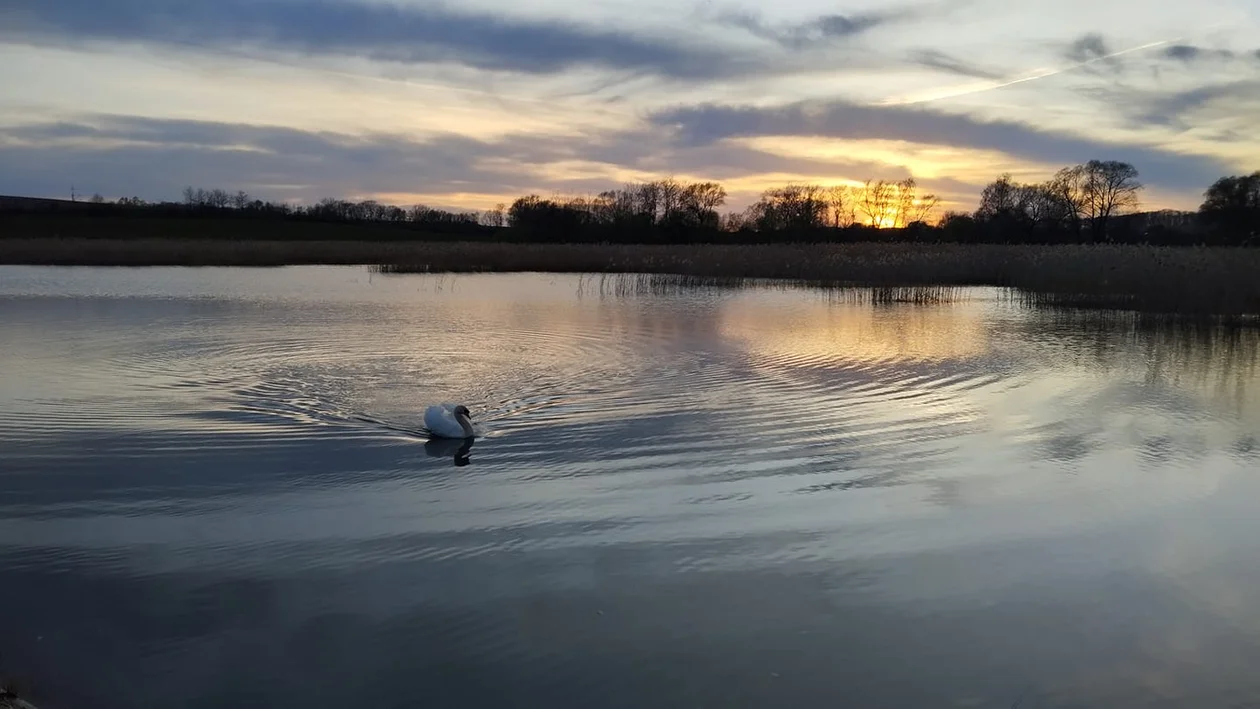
(734, 221)
(790, 207)
(604, 207)
(1068, 190)
(423, 213)
(1111, 188)
(1236, 193)
(218, 198)
(671, 194)
(495, 217)
(583, 208)
(1232, 204)
(707, 195)
(840, 206)
(698, 203)
(905, 198)
(998, 199)
(648, 200)
(876, 202)
(924, 207)
(240, 200)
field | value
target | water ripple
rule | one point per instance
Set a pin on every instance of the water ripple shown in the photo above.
(228, 466)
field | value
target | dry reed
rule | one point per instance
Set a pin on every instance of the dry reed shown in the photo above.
(1211, 281)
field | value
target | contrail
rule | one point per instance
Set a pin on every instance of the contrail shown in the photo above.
(1034, 75)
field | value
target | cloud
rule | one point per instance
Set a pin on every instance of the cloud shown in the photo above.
(815, 33)
(732, 162)
(1089, 47)
(846, 26)
(1173, 109)
(385, 32)
(939, 60)
(156, 158)
(826, 29)
(1189, 53)
(1182, 52)
(707, 124)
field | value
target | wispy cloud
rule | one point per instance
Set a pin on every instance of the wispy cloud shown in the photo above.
(1189, 53)
(395, 33)
(1089, 47)
(830, 28)
(935, 59)
(129, 155)
(156, 157)
(1176, 108)
(812, 33)
(712, 123)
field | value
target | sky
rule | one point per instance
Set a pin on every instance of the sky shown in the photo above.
(465, 105)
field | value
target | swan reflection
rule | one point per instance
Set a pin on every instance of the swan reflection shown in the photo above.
(456, 448)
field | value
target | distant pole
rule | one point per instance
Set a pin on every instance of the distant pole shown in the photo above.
(72, 193)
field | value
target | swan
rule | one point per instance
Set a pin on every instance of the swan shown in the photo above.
(449, 421)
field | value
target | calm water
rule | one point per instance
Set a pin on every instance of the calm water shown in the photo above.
(213, 493)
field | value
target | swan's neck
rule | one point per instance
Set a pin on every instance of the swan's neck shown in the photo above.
(465, 424)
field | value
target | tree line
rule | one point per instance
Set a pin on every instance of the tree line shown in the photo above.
(1099, 202)
(680, 210)
(1094, 202)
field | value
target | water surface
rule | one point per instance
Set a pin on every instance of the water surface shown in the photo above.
(214, 491)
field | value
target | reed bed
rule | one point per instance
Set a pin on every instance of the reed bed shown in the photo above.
(10, 700)
(11, 692)
(656, 284)
(1201, 281)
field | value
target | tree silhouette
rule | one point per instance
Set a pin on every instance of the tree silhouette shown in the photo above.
(924, 207)
(1111, 188)
(1090, 202)
(1068, 190)
(1232, 205)
(790, 208)
(998, 200)
(876, 202)
(904, 201)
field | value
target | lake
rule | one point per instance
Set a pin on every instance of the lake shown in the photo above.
(214, 491)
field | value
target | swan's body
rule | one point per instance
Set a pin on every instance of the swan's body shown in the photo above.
(449, 421)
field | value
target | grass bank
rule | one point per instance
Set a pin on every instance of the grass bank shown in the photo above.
(9, 695)
(1202, 281)
(12, 701)
(109, 225)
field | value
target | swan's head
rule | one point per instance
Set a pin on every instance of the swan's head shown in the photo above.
(462, 410)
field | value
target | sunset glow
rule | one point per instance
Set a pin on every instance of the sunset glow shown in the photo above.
(470, 107)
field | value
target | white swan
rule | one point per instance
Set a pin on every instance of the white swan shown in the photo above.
(449, 421)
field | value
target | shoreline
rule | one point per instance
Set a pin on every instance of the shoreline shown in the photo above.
(1208, 281)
